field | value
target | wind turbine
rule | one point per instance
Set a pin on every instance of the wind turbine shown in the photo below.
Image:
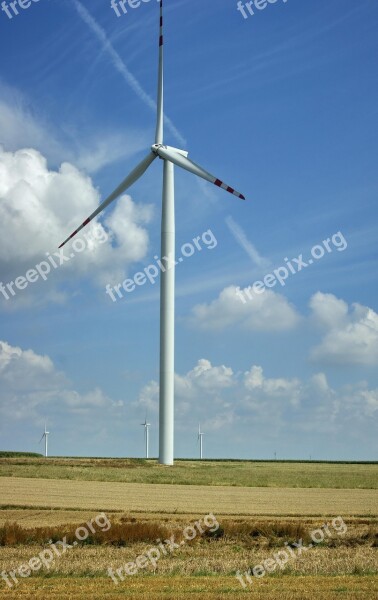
(200, 439)
(146, 434)
(170, 157)
(45, 435)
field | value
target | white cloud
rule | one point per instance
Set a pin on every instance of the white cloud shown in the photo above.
(203, 379)
(31, 387)
(352, 332)
(95, 399)
(255, 382)
(219, 398)
(268, 311)
(40, 207)
(309, 405)
(149, 397)
(329, 310)
(22, 127)
(370, 397)
(23, 369)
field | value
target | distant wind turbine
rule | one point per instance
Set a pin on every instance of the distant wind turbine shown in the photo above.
(45, 435)
(170, 157)
(200, 439)
(146, 434)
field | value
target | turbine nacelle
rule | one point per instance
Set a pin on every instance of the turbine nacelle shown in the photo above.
(156, 147)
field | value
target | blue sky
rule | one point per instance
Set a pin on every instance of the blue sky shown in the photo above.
(282, 106)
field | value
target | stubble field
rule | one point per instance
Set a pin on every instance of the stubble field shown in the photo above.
(143, 502)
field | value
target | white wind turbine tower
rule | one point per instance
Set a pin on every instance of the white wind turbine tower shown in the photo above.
(200, 439)
(146, 434)
(45, 435)
(170, 157)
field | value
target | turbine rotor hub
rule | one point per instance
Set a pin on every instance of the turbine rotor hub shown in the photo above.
(156, 147)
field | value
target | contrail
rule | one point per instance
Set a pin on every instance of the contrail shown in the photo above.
(122, 68)
(243, 241)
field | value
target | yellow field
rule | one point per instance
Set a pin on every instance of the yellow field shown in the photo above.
(198, 588)
(97, 495)
(223, 558)
(344, 567)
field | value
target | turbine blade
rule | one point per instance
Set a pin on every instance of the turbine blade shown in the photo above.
(187, 164)
(160, 93)
(43, 435)
(126, 183)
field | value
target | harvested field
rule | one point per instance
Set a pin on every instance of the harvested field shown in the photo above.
(197, 588)
(255, 523)
(45, 493)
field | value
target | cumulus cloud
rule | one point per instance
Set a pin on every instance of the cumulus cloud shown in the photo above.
(311, 405)
(201, 381)
(370, 398)
(206, 377)
(222, 399)
(267, 311)
(149, 397)
(40, 207)
(219, 398)
(256, 383)
(31, 386)
(351, 336)
(23, 369)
